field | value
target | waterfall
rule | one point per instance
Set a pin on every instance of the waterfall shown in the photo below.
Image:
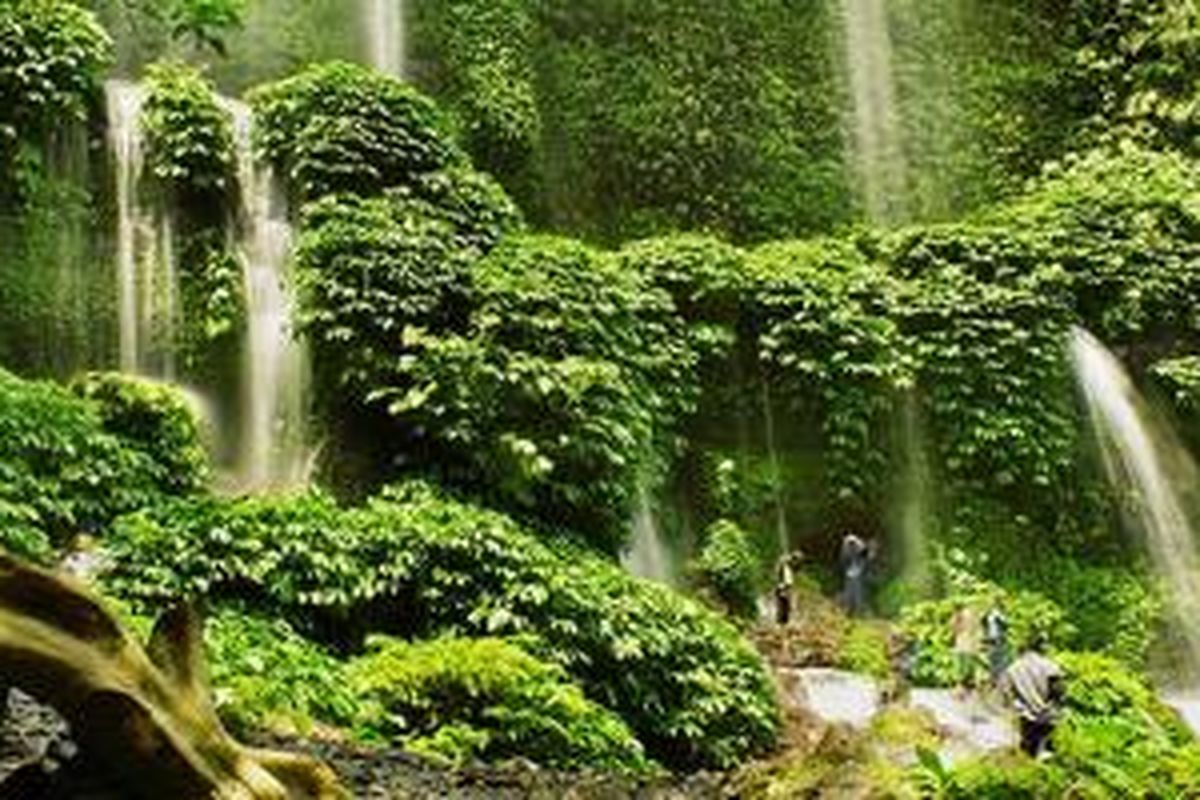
(782, 531)
(1150, 469)
(384, 24)
(877, 136)
(272, 449)
(147, 280)
(648, 556)
(912, 513)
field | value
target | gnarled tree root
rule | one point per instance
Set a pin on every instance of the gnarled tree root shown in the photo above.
(145, 714)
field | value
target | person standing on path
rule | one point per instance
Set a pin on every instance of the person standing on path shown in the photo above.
(855, 558)
(1034, 685)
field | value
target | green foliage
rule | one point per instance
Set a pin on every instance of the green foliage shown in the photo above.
(344, 128)
(155, 418)
(372, 268)
(69, 465)
(417, 564)
(1116, 738)
(1134, 68)
(1181, 378)
(188, 135)
(213, 299)
(487, 699)
(486, 75)
(727, 569)
(205, 22)
(928, 624)
(52, 55)
(565, 390)
(865, 649)
(834, 352)
(266, 676)
(705, 116)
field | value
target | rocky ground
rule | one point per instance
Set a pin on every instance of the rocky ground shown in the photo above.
(37, 760)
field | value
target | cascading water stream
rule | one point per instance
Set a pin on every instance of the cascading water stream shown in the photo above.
(877, 136)
(147, 280)
(648, 555)
(913, 514)
(273, 451)
(383, 21)
(1151, 471)
(782, 531)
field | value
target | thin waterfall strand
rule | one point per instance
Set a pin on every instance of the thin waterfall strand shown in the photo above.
(384, 23)
(782, 530)
(147, 280)
(273, 451)
(878, 148)
(648, 555)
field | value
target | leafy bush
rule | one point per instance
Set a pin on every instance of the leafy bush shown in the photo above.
(865, 649)
(64, 472)
(155, 418)
(266, 676)
(344, 128)
(189, 136)
(487, 78)
(728, 569)
(416, 564)
(928, 624)
(372, 268)
(565, 391)
(52, 54)
(487, 699)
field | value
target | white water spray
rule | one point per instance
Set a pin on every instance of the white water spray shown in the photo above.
(912, 513)
(782, 530)
(384, 24)
(147, 279)
(272, 450)
(1151, 470)
(648, 555)
(878, 142)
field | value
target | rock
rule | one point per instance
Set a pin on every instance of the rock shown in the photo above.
(834, 696)
(968, 725)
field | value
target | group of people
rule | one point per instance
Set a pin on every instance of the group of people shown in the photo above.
(855, 558)
(1032, 682)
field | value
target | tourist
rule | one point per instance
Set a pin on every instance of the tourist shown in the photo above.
(1034, 685)
(855, 557)
(785, 585)
(964, 626)
(995, 636)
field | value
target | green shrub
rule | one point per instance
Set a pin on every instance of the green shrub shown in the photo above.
(416, 564)
(564, 393)
(344, 128)
(727, 568)
(865, 649)
(509, 702)
(52, 55)
(155, 418)
(188, 135)
(371, 268)
(928, 624)
(1117, 737)
(64, 471)
(266, 676)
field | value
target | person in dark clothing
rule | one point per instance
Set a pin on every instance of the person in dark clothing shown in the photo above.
(995, 637)
(1034, 684)
(855, 558)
